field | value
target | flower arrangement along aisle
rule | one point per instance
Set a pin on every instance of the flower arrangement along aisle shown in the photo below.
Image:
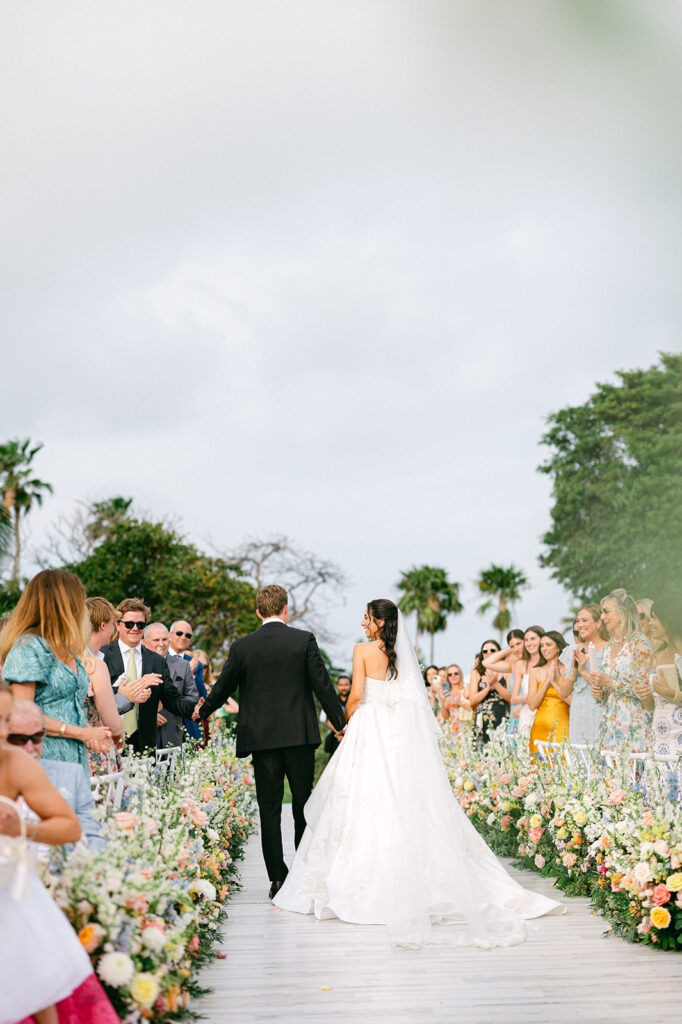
(149, 906)
(605, 838)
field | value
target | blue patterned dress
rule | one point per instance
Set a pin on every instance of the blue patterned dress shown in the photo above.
(624, 719)
(60, 692)
(586, 712)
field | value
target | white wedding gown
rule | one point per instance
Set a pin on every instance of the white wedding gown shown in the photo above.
(387, 842)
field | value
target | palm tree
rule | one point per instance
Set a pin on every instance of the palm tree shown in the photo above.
(20, 490)
(504, 587)
(428, 592)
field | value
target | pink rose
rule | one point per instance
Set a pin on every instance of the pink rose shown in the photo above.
(518, 791)
(568, 859)
(505, 820)
(536, 834)
(137, 901)
(617, 797)
(660, 895)
(125, 821)
(505, 779)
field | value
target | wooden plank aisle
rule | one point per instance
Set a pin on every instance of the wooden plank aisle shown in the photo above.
(286, 968)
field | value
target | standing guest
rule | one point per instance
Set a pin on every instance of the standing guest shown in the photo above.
(644, 606)
(42, 961)
(100, 704)
(544, 693)
(585, 711)
(27, 730)
(180, 640)
(127, 659)
(230, 707)
(443, 676)
(513, 660)
(488, 693)
(529, 659)
(40, 648)
(170, 726)
(666, 633)
(103, 625)
(623, 681)
(334, 737)
(457, 707)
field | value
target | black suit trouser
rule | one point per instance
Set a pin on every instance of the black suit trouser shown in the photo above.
(269, 769)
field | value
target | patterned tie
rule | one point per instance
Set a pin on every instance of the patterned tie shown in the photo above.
(130, 717)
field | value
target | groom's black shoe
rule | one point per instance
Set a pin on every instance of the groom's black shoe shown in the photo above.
(274, 889)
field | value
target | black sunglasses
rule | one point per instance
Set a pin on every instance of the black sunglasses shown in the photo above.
(133, 625)
(20, 739)
(178, 632)
(489, 650)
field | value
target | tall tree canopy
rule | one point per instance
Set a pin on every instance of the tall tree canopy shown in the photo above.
(503, 586)
(428, 592)
(21, 490)
(616, 464)
(138, 558)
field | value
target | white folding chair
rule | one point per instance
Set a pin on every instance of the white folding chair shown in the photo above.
(109, 788)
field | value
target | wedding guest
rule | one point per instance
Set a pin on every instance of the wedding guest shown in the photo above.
(170, 727)
(27, 730)
(128, 659)
(180, 640)
(100, 703)
(458, 712)
(528, 657)
(623, 681)
(666, 677)
(443, 676)
(488, 693)
(41, 647)
(512, 660)
(230, 707)
(644, 606)
(544, 693)
(586, 712)
(104, 631)
(43, 963)
(333, 738)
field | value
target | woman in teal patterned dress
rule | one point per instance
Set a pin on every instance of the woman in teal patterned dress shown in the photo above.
(623, 680)
(39, 645)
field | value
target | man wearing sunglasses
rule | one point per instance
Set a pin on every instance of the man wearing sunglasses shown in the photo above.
(128, 660)
(27, 730)
(180, 642)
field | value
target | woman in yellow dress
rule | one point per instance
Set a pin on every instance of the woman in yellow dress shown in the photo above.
(545, 686)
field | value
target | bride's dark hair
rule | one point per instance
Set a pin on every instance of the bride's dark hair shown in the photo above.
(384, 609)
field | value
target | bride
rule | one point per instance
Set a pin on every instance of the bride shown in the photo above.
(383, 826)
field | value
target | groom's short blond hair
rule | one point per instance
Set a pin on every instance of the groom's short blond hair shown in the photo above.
(271, 600)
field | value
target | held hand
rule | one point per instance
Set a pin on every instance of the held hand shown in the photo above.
(97, 738)
(195, 713)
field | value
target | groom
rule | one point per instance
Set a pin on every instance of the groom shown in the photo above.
(277, 670)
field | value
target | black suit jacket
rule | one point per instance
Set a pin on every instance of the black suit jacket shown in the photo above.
(166, 693)
(277, 670)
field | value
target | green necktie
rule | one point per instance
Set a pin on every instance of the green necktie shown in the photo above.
(130, 717)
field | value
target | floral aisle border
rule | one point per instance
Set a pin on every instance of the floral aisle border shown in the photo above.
(593, 831)
(148, 908)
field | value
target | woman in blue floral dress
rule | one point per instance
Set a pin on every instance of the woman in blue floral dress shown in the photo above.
(623, 680)
(40, 646)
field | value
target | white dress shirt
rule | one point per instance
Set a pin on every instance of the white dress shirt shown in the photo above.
(273, 618)
(125, 654)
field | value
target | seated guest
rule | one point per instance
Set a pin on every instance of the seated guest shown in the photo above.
(665, 679)
(170, 726)
(43, 963)
(180, 639)
(622, 683)
(127, 659)
(41, 647)
(27, 730)
(544, 693)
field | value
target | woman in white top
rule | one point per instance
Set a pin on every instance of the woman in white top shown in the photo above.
(519, 660)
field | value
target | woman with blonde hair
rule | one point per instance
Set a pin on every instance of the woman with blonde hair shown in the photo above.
(586, 712)
(40, 648)
(623, 680)
(644, 606)
(457, 709)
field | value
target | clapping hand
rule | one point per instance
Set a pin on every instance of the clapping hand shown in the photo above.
(195, 713)
(138, 691)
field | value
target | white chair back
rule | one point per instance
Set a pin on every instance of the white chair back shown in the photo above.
(109, 788)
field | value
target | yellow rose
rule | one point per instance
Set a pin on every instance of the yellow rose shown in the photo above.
(674, 882)
(535, 821)
(468, 785)
(660, 917)
(144, 988)
(562, 833)
(580, 818)
(505, 806)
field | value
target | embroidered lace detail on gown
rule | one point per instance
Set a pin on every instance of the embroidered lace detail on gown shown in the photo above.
(387, 843)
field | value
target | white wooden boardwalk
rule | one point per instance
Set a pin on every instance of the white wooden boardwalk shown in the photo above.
(284, 968)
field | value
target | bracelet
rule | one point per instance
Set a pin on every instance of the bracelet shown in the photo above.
(62, 729)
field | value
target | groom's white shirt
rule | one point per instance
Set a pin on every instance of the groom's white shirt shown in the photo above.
(273, 618)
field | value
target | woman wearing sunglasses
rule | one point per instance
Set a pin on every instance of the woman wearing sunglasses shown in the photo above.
(488, 693)
(39, 647)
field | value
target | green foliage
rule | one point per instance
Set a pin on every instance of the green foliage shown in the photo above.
(149, 560)
(10, 592)
(428, 592)
(504, 586)
(20, 490)
(616, 464)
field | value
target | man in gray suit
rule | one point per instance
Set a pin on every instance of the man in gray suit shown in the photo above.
(169, 726)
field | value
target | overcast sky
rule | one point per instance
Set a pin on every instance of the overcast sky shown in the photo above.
(324, 268)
